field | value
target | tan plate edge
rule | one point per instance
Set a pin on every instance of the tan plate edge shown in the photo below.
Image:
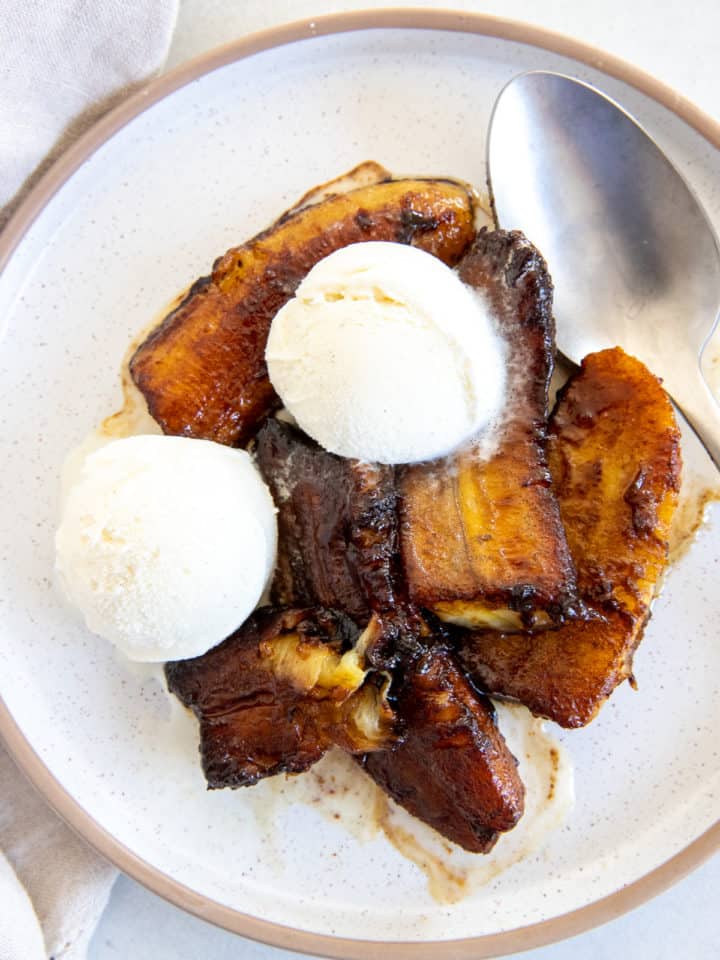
(476, 948)
(493, 945)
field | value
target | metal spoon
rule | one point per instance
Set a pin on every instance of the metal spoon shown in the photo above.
(634, 259)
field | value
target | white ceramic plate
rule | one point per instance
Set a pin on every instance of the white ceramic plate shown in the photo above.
(206, 165)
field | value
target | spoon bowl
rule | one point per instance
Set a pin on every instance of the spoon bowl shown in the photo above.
(634, 259)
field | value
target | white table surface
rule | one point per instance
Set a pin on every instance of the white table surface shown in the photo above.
(677, 42)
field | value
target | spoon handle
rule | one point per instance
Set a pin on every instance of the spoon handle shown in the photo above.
(702, 412)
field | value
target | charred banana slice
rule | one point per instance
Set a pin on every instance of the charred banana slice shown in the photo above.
(614, 452)
(202, 371)
(452, 768)
(481, 536)
(278, 693)
(336, 523)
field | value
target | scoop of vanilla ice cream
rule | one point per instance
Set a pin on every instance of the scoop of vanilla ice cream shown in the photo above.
(385, 355)
(166, 544)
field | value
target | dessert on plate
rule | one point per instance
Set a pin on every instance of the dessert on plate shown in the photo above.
(372, 375)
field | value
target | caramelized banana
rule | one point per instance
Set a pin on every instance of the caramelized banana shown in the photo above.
(337, 546)
(202, 371)
(338, 539)
(452, 769)
(614, 453)
(336, 525)
(481, 537)
(278, 693)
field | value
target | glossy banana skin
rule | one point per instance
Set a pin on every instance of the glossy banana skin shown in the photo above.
(481, 537)
(614, 453)
(202, 371)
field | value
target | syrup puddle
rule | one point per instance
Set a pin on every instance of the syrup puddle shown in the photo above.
(546, 770)
(691, 514)
(696, 492)
(131, 420)
(343, 794)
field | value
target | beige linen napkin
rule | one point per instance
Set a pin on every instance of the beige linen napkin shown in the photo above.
(62, 64)
(23, 937)
(66, 882)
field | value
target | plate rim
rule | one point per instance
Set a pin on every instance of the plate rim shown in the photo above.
(474, 948)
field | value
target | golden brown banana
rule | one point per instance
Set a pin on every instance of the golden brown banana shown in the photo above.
(452, 767)
(614, 453)
(202, 371)
(481, 537)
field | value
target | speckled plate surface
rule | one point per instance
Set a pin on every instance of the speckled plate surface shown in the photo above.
(206, 165)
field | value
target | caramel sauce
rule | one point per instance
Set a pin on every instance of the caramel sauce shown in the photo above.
(452, 874)
(554, 766)
(690, 516)
(338, 790)
(445, 884)
(133, 418)
(696, 493)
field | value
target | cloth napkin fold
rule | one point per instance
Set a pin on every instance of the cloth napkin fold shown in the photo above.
(63, 63)
(57, 884)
